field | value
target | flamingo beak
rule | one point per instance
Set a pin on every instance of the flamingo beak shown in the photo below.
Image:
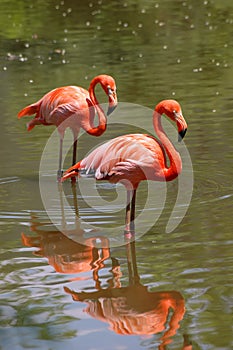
(110, 109)
(112, 98)
(181, 134)
(181, 125)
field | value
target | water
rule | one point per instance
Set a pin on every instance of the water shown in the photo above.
(128, 295)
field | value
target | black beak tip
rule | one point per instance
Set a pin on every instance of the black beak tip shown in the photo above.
(181, 135)
(110, 109)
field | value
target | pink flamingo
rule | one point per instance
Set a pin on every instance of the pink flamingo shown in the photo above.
(132, 158)
(74, 107)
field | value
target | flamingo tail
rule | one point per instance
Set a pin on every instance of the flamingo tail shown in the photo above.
(29, 110)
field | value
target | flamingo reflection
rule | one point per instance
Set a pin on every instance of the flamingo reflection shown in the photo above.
(64, 254)
(130, 310)
(134, 310)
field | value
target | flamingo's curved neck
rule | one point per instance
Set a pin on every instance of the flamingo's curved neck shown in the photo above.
(97, 131)
(175, 166)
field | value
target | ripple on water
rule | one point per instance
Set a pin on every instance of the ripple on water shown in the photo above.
(209, 190)
(31, 273)
(6, 180)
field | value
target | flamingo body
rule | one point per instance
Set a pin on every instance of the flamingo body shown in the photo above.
(58, 105)
(128, 159)
(132, 158)
(74, 107)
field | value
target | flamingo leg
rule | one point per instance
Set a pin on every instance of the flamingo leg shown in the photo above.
(127, 212)
(74, 152)
(130, 212)
(75, 134)
(60, 172)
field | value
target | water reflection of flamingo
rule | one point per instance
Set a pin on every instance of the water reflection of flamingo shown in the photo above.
(58, 105)
(130, 159)
(133, 310)
(64, 254)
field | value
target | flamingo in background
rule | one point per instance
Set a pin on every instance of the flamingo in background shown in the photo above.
(74, 107)
(132, 158)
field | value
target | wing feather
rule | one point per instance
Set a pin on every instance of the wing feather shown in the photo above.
(123, 153)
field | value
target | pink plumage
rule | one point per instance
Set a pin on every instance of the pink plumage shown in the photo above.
(73, 107)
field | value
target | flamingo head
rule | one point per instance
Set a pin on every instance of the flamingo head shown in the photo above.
(109, 86)
(173, 110)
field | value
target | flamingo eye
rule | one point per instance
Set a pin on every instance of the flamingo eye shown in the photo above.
(110, 92)
(175, 114)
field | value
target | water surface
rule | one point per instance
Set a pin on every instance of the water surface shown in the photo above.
(57, 292)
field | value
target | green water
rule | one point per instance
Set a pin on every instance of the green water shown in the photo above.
(154, 50)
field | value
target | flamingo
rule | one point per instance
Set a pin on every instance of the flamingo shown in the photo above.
(74, 107)
(132, 158)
